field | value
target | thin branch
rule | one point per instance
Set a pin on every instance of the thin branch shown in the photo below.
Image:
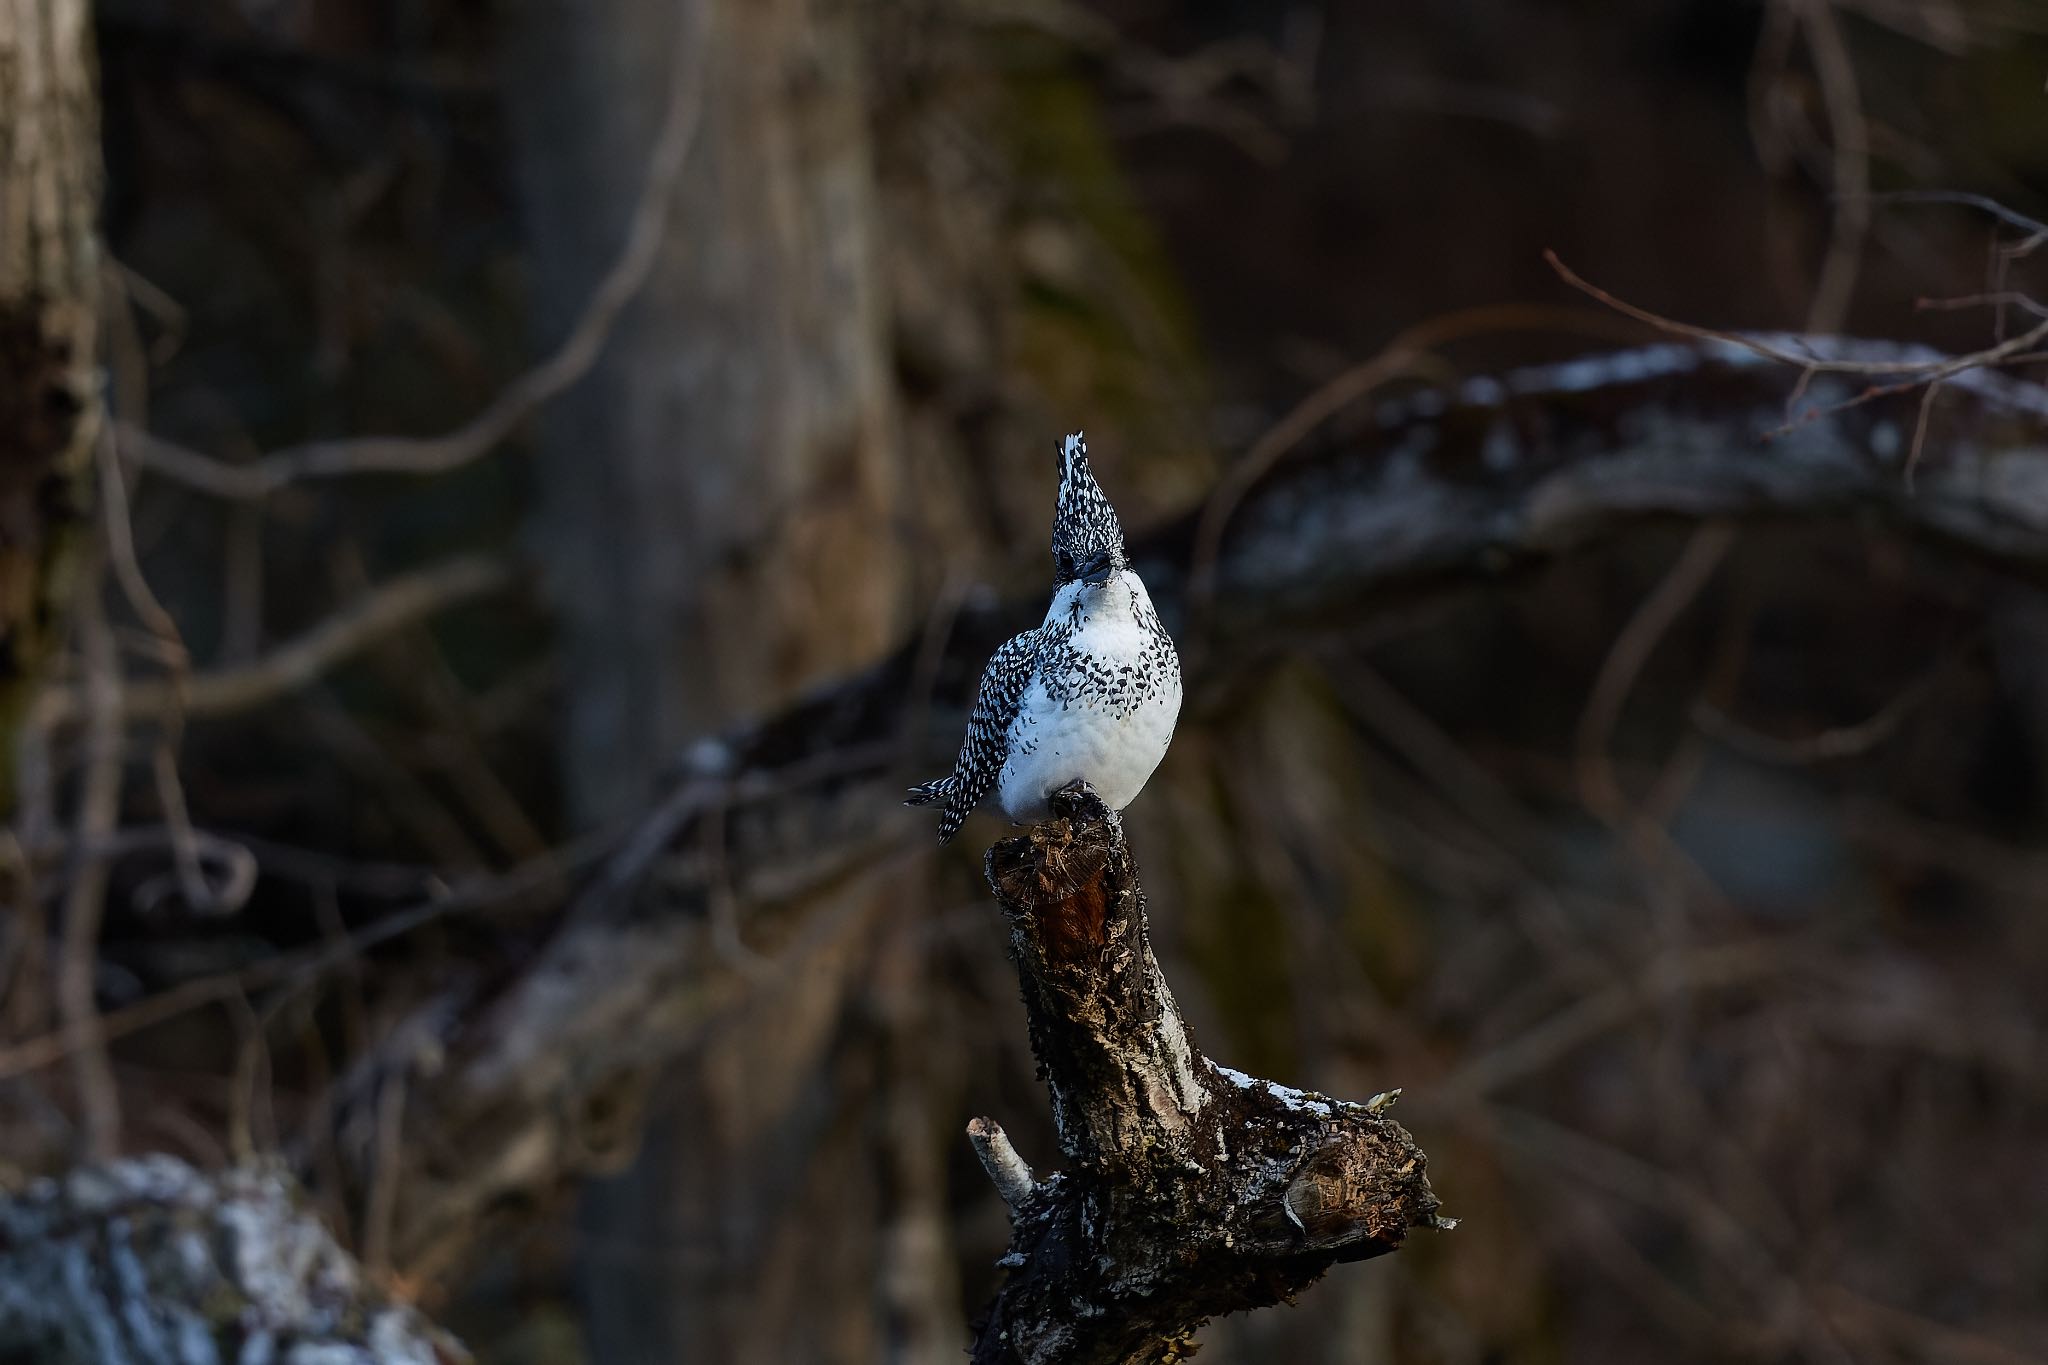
(1983, 202)
(113, 487)
(1851, 174)
(381, 1204)
(513, 888)
(1682, 584)
(1007, 1171)
(99, 809)
(408, 598)
(1997, 298)
(1932, 373)
(1839, 742)
(1535, 1049)
(1920, 370)
(629, 272)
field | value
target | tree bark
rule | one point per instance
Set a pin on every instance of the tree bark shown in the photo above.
(1190, 1190)
(146, 1261)
(49, 396)
(720, 513)
(706, 486)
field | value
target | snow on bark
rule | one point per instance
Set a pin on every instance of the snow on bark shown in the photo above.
(1190, 1190)
(149, 1262)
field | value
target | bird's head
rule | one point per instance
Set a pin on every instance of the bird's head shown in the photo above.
(1087, 541)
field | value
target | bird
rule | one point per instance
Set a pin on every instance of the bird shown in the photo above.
(1090, 695)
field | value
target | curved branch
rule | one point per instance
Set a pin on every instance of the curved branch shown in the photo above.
(298, 662)
(1438, 492)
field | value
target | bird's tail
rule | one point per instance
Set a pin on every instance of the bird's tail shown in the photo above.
(931, 793)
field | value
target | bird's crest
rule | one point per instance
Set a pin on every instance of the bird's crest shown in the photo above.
(1086, 537)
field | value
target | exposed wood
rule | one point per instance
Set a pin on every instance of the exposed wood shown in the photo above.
(1189, 1190)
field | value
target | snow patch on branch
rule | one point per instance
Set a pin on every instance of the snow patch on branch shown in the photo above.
(1298, 1101)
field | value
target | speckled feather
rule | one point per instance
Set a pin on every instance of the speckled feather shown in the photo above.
(1009, 672)
(1091, 693)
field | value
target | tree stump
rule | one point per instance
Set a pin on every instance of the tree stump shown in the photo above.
(1189, 1189)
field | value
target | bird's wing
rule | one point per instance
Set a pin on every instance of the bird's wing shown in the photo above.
(981, 753)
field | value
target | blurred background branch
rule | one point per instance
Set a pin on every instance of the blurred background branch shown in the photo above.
(1615, 714)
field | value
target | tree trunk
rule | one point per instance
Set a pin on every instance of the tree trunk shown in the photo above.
(49, 263)
(719, 525)
(705, 489)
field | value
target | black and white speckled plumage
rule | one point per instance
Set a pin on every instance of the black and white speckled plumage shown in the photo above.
(1009, 672)
(1091, 693)
(1074, 676)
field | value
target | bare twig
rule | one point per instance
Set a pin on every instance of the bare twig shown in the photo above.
(1193, 89)
(298, 663)
(1007, 1171)
(1932, 373)
(483, 433)
(381, 1206)
(99, 810)
(1984, 202)
(1851, 135)
(1997, 298)
(224, 859)
(1917, 371)
(1844, 741)
(113, 488)
(512, 888)
(1687, 577)
(1731, 967)
(26, 949)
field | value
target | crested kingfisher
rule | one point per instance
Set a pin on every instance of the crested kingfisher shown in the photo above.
(1090, 695)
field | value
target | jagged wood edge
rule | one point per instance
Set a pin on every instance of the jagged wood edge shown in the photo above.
(1188, 1190)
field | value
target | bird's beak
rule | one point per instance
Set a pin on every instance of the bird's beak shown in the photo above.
(1097, 570)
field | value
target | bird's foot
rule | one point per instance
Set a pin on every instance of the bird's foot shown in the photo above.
(1078, 801)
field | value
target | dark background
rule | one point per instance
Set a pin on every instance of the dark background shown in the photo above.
(1787, 1099)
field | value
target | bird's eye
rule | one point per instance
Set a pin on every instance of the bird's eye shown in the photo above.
(1064, 562)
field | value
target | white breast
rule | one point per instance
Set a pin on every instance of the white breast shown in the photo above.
(1110, 731)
